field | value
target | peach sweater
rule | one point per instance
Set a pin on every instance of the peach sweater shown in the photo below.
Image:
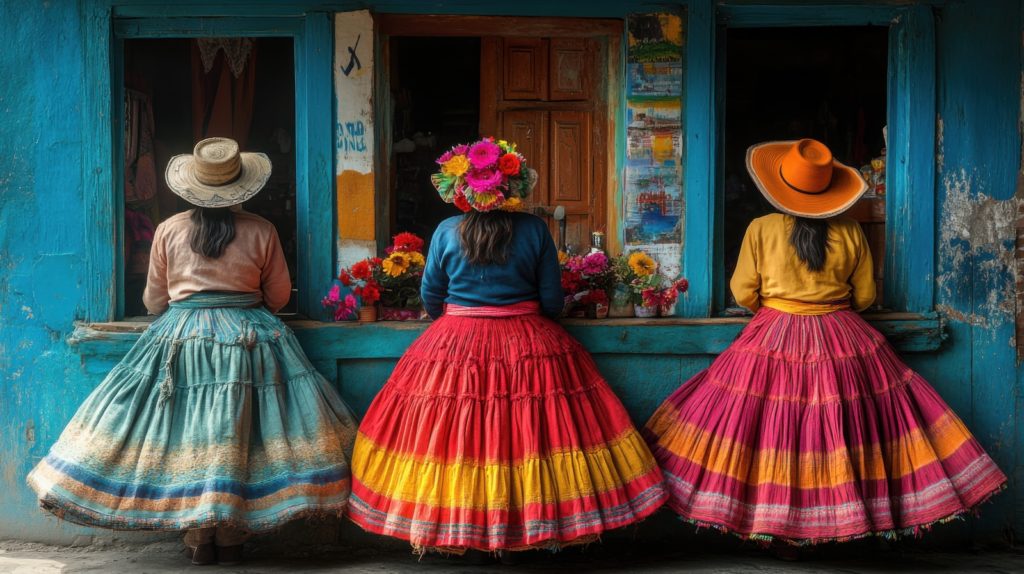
(252, 263)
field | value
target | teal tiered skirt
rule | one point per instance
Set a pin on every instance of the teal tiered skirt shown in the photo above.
(215, 417)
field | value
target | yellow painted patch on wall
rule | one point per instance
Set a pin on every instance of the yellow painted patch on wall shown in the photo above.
(355, 205)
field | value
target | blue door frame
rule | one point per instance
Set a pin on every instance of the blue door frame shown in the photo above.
(313, 44)
(910, 174)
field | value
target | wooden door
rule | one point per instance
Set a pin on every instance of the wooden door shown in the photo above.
(544, 94)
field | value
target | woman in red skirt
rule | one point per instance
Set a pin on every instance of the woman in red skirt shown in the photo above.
(496, 431)
(809, 428)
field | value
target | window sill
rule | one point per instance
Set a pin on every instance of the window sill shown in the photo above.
(907, 332)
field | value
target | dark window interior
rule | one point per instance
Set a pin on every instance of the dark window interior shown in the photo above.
(434, 107)
(178, 93)
(829, 84)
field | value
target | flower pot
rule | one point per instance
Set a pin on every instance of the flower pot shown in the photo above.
(597, 311)
(623, 310)
(399, 313)
(668, 309)
(646, 311)
(368, 314)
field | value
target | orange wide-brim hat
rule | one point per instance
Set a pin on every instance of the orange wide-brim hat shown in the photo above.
(802, 178)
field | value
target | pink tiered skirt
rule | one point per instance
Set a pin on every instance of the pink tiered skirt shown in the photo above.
(810, 429)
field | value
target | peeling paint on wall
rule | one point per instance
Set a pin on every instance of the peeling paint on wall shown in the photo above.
(976, 226)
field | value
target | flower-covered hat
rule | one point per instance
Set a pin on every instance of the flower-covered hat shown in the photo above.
(485, 176)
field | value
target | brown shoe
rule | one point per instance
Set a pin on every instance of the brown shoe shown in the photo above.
(229, 555)
(201, 555)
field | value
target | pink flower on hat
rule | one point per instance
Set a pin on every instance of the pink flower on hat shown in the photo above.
(483, 154)
(483, 180)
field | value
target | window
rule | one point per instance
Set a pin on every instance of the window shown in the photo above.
(180, 90)
(299, 45)
(908, 259)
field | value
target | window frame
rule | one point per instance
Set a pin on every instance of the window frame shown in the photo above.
(910, 170)
(105, 30)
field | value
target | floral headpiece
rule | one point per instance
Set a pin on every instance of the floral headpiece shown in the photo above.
(484, 175)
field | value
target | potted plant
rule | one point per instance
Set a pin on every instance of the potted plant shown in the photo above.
(341, 308)
(587, 281)
(661, 294)
(645, 277)
(360, 278)
(657, 294)
(623, 297)
(399, 276)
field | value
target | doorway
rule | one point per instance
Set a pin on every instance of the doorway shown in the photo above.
(826, 83)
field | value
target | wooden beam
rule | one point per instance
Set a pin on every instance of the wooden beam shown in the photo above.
(448, 25)
(388, 340)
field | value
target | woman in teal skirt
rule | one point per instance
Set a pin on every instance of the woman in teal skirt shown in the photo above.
(215, 422)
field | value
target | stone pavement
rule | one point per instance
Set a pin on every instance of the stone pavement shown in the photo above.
(868, 557)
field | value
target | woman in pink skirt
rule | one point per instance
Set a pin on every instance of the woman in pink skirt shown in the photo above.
(809, 428)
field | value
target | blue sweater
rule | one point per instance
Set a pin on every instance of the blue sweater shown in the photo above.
(531, 272)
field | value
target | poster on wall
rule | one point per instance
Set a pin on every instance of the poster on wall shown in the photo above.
(653, 204)
(655, 55)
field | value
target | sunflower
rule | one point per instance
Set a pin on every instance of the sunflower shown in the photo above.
(642, 264)
(396, 264)
(413, 257)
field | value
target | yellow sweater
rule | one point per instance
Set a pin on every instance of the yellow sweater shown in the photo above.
(769, 273)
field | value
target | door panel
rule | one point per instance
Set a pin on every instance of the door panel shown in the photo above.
(529, 129)
(541, 93)
(571, 173)
(526, 69)
(569, 72)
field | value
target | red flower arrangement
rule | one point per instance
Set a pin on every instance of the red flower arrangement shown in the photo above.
(664, 296)
(360, 278)
(393, 281)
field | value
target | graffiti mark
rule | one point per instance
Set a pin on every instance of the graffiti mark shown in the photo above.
(351, 137)
(353, 59)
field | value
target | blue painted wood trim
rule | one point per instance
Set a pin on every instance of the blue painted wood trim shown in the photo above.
(910, 167)
(196, 27)
(388, 340)
(101, 206)
(315, 195)
(817, 14)
(699, 220)
(314, 152)
(591, 8)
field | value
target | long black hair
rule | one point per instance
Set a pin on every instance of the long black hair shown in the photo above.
(810, 239)
(213, 228)
(485, 237)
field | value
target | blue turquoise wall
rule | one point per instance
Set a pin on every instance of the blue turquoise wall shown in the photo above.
(44, 224)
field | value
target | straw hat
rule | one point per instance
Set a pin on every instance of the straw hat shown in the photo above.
(801, 178)
(215, 174)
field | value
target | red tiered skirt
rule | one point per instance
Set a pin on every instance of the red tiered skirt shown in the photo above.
(810, 429)
(496, 431)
